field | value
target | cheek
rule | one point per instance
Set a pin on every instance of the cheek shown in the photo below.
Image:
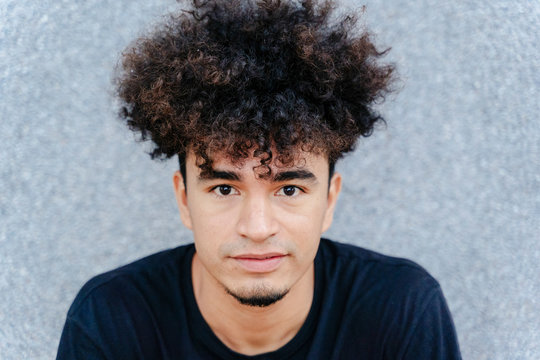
(211, 228)
(306, 217)
(303, 228)
(206, 216)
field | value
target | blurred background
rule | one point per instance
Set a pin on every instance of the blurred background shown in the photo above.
(452, 182)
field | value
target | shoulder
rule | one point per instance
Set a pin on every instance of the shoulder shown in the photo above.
(119, 314)
(135, 276)
(376, 287)
(392, 302)
(374, 270)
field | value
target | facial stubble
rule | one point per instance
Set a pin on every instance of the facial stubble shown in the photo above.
(261, 296)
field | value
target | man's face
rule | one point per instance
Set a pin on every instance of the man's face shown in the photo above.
(257, 237)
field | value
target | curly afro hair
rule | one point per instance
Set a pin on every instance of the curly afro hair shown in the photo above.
(253, 78)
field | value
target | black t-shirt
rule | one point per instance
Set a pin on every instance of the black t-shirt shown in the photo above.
(365, 306)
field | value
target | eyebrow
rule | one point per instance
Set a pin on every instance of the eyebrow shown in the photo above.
(220, 175)
(278, 177)
(294, 175)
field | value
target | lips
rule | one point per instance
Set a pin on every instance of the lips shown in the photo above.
(259, 263)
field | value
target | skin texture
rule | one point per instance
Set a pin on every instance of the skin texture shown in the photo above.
(237, 218)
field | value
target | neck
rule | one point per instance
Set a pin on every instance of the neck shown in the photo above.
(247, 329)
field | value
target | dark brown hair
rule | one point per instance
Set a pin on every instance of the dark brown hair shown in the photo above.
(253, 78)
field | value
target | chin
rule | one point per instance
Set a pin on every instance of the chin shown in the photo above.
(258, 296)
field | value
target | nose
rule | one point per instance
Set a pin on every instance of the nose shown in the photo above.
(257, 221)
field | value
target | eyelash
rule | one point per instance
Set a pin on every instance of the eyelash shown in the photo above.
(297, 192)
(216, 190)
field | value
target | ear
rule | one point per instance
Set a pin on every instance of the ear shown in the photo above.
(333, 193)
(181, 199)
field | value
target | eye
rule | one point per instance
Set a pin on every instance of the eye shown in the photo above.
(289, 190)
(224, 190)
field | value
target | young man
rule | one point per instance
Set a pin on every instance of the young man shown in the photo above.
(258, 101)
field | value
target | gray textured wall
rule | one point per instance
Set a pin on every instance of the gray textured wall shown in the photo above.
(452, 182)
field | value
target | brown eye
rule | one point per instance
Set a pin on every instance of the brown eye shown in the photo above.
(289, 190)
(224, 189)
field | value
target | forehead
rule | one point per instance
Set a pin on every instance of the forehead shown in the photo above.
(222, 161)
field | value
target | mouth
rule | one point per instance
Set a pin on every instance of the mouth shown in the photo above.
(259, 263)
